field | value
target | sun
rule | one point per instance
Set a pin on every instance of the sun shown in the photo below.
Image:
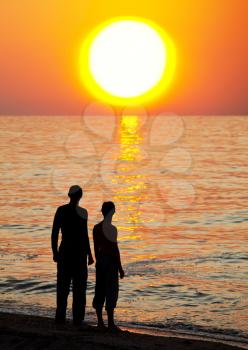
(127, 61)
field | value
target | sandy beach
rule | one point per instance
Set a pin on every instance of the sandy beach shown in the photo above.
(31, 332)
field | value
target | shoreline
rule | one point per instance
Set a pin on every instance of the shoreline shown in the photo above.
(32, 332)
(182, 334)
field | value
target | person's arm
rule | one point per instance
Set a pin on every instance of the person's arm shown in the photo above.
(96, 245)
(121, 271)
(55, 234)
(117, 253)
(90, 257)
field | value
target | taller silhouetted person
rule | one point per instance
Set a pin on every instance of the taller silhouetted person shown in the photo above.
(71, 257)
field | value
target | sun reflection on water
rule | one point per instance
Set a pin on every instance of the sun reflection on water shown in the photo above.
(130, 191)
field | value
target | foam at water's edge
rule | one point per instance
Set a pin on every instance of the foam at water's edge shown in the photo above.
(219, 338)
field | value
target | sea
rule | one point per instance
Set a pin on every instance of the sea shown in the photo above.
(180, 186)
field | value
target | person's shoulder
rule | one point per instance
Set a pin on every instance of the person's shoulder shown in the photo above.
(115, 233)
(110, 232)
(60, 212)
(98, 225)
(82, 212)
(66, 205)
(62, 208)
(114, 227)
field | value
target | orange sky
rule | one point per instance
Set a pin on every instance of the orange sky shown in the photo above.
(40, 42)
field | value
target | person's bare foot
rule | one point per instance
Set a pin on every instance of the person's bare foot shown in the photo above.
(61, 323)
(101, 327)
(83, 326)
(113, 328)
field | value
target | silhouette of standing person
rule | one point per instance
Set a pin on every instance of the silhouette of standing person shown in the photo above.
(108, 266)
(71, 258)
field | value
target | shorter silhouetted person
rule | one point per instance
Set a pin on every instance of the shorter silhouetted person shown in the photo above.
(71, 258)
(108, 266)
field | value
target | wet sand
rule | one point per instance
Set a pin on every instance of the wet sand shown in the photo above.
(32, 332)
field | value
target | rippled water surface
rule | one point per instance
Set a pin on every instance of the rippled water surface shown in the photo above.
(180, 186)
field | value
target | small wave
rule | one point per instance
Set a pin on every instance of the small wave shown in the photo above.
(26, 285)
(42, 288)
(12, 226)
(233, 335)
(25, 228)
(213, 220)
(146, 262)
(227, 256)
(31, 256)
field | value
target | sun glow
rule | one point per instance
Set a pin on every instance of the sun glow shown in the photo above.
(127, 61)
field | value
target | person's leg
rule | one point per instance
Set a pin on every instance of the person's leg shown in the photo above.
(110, 313)
(63, 289)
(100, 322)
(112, 291)
(80, 275)
(100, 293)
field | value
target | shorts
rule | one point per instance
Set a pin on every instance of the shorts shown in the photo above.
(107, 283)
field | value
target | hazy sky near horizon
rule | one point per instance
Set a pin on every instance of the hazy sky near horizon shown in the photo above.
(40, 42)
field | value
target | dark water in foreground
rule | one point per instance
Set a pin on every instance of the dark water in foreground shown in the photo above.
(180, 186)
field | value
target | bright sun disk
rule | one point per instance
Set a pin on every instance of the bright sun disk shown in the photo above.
(127, 61)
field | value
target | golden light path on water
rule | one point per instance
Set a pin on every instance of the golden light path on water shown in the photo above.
(130, 180)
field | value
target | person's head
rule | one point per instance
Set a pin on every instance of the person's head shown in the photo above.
(75, 193)
(108, 209)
